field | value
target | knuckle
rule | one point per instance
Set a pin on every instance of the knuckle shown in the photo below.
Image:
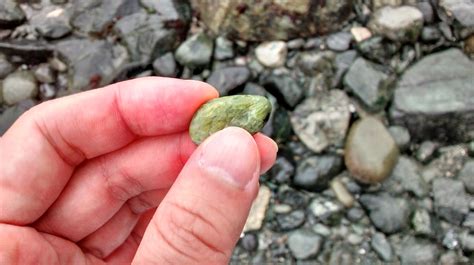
(119, 184)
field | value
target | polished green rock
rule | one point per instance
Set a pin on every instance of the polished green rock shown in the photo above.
(244, 111)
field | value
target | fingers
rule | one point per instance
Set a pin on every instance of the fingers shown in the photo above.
(201, 218)
(41, 149)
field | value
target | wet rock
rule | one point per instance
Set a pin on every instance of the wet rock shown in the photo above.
(291, 221)
(52, 21)
(406, 177)
(249, 20)
(323, 120)
(387, 213)
(315, 172)
(397, 23)
(195, 51)
(272, 54)
(371, 153)
(369, 84)
(285, 87)
(5, 66)
(93, 63)
(227, 79)
(434, 98)
(147, 36)
(282, 171)
(224, 49)
(19, 86)
(450, 200)
(339, 42)
(10, 13)
(416, 251)
(460, 11)
(304, 244)
(401, 135)
(165, 65)
(11, 114)
(467, 176)
(258, 210)
(44, 74)
(382, 247)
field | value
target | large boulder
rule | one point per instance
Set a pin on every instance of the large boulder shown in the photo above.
(250, 20)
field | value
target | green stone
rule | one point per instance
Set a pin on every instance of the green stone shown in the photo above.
(244, 111)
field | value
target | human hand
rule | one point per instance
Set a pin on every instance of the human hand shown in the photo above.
(81, 179)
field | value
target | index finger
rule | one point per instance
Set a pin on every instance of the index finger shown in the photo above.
(46, 143)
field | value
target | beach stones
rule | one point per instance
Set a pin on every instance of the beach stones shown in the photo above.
(244, 111)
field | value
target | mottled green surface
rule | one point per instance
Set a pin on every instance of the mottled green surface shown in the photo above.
(244, 111)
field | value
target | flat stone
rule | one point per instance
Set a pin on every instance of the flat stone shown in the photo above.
(435, 98)
(371, 153)
(165, 65)
(389, 214)
(315, 172)
(339, 42)
(19, 86)
(323, 120)
(382, 247)
(461, 11)
(304, 244)
(406, 177)
(360, 33)
(467, 176)
(416, 251)
(258, 210)
(397, 23)
(401, 135)
(286, 87)
(10, 13)
(450, 200)
(291, 221)
(52, 21)
(369, 84)
(272, 54)
(341, 192)
(227, 79)
(195, 51)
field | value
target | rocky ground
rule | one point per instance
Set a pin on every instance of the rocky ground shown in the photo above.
(373, 108)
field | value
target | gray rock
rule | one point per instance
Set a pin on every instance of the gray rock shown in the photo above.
(451, 239)
(342, 63)
(430, 34)
(323, 120)
(249, 242)
(315, 172)
(371, 153)
(224, 49)
(52, 21)
(461, 11)
(450, 200)
(467, 176)
(291, 221)
(286, 87)
(47, 91)
(282, 171)
(426, 151)
(304, 244)
(227, 79)
(11, 114)
(448, 164)
(435, 98)
(326, 210)
(423, 223)
(378, 49)
(93, 63)
(369, 84)
(5, 66)
(296, 44)
(427, 10)
(19, 86)
(172, 11)
(340, 41)
(10, 13)
(195, 51)
(397, 23)
(469, 221)
(401, 135)
(381, 246)
(467, 242)
(355, 214)
(314, 63)
(165, 65)
(376, 4)
(387, 213)
(44, 74)
(272, 54)
(406, 177)
(415, 252)
(250, 20)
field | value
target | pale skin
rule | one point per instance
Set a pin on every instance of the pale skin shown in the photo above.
(111, 176)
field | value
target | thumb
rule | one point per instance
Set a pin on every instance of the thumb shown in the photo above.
(201, 218)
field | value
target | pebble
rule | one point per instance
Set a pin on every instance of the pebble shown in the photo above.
(355, 214)
(44, 74)
(52, 22)
(314, 173)
(427, 10)
(272, 54)
(467, 176)
(360, 33)
(289, 88)
(225, 80)
(321, 229)
(450, 200)
(467, 242)
(165, 65)
(430, 34)
(291, 221)
(389, 214)
(57, 64)
(224, 49)
(401, 24)
(426, 151)
(406, 177)
(469, 221)
(460, 11)
(304, 244)
(342, 194)
(401, 135)
(382, 247)
(196, 51)
(19, 86)
(371, 153)
(422, 223)
(249, 242)
(451, 240)
(10, 13)
(325, 209)
(416, 251)
(282, 171)
(339, 42)
(47, 91)
(258, 210)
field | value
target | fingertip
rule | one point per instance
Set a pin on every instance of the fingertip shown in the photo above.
(268, 150)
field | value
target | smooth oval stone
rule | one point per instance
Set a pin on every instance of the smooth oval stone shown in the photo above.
(244, 111)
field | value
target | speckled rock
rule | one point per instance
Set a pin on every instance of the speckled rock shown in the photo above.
(304, 244)
(247, 112)
(397, 23)
(272, 54)
(249, 20)
(371, 153)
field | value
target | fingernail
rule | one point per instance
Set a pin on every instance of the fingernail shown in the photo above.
(232, 156)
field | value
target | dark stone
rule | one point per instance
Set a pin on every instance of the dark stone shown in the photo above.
(430, 34)
(224, 49)
(315, 172)
(249, 242)
(406, 177)
(377, 49)
(5, 67)
(282, 171)
(52, 21)
(165, 65)
(342, 63)
(450, 200)
(44, 73)
(10, 13)
(227, 79)
(196, 51)
(291, 221)
(285, 87)
(355, 214)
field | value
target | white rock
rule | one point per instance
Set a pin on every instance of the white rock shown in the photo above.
(19, 86)
(361, 33)
(258, 210)
(402, 23)
(272, 54)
